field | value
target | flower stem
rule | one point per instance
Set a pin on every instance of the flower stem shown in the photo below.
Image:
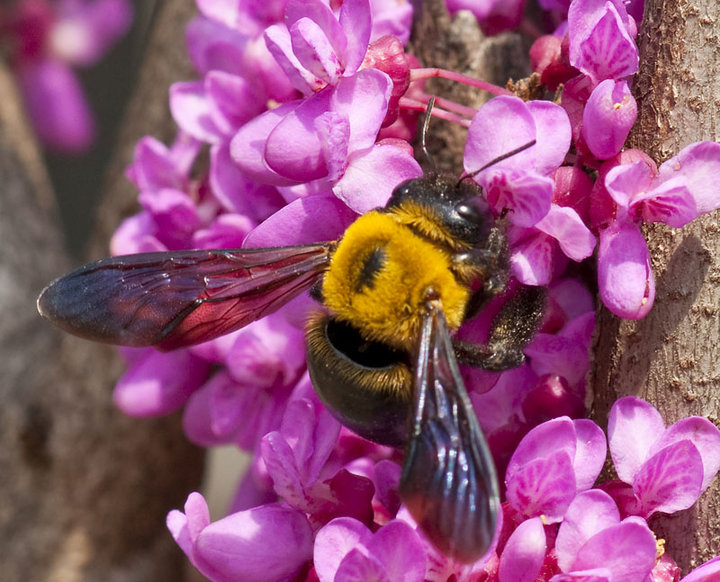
(419, 74)
(417, 105)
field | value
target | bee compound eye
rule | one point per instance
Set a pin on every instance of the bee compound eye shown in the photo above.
(366, 386)
(474, 210)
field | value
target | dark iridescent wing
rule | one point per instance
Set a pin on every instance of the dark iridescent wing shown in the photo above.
(448, 481)
(179, 298)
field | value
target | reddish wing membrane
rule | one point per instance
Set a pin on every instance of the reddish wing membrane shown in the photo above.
(448, 481)
(180, 298)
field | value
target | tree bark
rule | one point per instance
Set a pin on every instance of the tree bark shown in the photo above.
(458, 44)
(85, 490)
(671, 358)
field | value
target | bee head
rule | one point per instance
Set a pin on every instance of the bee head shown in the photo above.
(457, 209)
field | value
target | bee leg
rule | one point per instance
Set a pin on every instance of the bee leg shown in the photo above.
(491, 264)
(512, 329)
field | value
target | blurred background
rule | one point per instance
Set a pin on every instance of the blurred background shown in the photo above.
(78, 178)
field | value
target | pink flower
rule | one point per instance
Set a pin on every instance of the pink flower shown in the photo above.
(269, 542)
(664, 469)
(346, 551)
(593, 544)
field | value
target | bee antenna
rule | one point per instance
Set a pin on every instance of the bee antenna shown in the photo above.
(423, 134)
(500, 158)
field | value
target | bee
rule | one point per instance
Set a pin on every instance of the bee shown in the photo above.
(380, 349)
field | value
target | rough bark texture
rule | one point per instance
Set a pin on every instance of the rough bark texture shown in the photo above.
(457, 44)
(672, 357)
(84, 495)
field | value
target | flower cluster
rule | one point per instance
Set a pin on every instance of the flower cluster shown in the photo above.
(557, 527)
(301, 121)
(45, 40)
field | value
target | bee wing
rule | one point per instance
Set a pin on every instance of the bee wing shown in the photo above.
(448, 481)
(179, 298)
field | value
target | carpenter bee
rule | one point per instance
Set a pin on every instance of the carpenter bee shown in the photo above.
(393, 290)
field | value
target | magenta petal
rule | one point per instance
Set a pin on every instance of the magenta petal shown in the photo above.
(524, 552)
(609, 114)
(191, 110)
(670, 202)
(707, 572)
(600, 43)
(704, 435)
(626, 182)
(314, 51)
(590, 453)
(282, 469)
(526, 194)
(565, 225)
(153, 167)
(398, 548)
(234, 100)
(334, 541)
(197, 418)
(553, 132)
(625, 277)
(532, 259)
(270, 542)
(159, 383)
(226, 11)
(56, 105)
(360, 566)
(623, 495)
(589, 513)
(357, 23)
(543, 487)
(185, 527)
(371, 177)
(699, 165)
(247, 148)
(322, 15)
(500, 126)
(554, 435)
(279, 43)
(293, 148)
(388, 18)
(591, 575)
(84, 33)
(633, 426)
(558, 355)
(626, 549)
(213, 46)
(670, 480)
(299, 223)
(363, 100)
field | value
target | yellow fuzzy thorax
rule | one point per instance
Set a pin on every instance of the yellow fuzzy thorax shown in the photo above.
(387, 305)
(423, 218)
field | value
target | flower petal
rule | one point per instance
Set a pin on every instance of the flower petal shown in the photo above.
(633, 426)
(372, 175)
(524, 552)
(589, 513)
(704, 435)
(609, 114)
(270, 542)
(626, 549)
(334, 541)
(699, 165)
(625, 277)
(565, 225)
(297, 223)
(670, 480)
